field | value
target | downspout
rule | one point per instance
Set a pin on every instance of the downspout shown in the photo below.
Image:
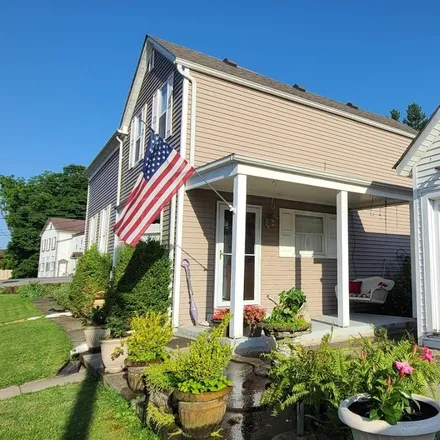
(181, 193)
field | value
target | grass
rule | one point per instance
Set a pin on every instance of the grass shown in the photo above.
(14, 307)
(77, 411)
(31, 350)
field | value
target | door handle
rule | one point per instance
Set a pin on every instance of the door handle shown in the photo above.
(221, 254)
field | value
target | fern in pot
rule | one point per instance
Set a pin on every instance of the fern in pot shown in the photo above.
(394, 378)
(146, 345)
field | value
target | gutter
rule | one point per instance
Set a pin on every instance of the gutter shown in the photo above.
(181, 193)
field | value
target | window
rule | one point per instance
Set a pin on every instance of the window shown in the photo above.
(54, 240)
(307, 234)
(137, 137)
(104, 229)
(47, 266)
(151, 61)
(42, 265)
(43, 245)
(161, 114)
(92, 229)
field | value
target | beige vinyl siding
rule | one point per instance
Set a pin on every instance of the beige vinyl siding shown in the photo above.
(317, 277)
(235, 119)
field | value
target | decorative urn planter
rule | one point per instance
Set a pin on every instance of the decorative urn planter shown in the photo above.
(201, 414)
(94, 335)
(113, 354)
(365, 429)
(135, 373)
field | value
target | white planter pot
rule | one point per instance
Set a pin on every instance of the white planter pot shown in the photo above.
(366, 429)
(94, 335)
(108, 347)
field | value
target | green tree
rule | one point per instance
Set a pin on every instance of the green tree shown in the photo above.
(415, 117)
(26, 205)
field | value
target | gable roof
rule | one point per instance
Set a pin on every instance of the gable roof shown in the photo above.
(182, 54)
(419, 145)
(66, 224)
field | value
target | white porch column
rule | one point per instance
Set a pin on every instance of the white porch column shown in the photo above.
(238, 243)
(343, 252)
(412, 236)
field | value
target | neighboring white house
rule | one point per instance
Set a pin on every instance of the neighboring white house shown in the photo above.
(62, 243)
(421, 161)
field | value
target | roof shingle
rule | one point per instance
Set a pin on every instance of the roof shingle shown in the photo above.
(68, 224)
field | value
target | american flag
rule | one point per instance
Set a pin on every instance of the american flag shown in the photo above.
(164, 171)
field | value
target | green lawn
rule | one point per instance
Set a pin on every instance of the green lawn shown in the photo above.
(31, 350)
(14, 307)
(78, 411)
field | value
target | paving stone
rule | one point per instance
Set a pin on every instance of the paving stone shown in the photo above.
(9, 392)
(38, 385)
(92, 361)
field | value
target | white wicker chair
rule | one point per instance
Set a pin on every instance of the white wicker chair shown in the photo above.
(373, 290)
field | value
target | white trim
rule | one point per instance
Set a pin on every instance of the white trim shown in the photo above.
(219, 246)
(252, 85)
(410, 159)
(137, 121)
(343, 259)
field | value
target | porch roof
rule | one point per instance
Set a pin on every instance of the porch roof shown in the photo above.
(296, 183)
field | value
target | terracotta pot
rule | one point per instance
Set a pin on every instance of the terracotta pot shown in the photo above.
(135, 373)
(201, 414)
(110, 347)
(366, 429)
(94, 335)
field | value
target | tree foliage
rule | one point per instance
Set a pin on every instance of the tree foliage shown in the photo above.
(415, 117)
(26, 205)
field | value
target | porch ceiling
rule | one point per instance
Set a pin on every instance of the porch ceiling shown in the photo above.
(267, 179)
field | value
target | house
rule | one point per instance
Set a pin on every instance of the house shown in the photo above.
(421, 161)
(306, 192)
(62, 243)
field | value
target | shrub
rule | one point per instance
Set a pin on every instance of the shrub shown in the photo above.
(152, 333)
(95, 317)
(90, 281)
(61, 292)
(31, 290)
(141, 283)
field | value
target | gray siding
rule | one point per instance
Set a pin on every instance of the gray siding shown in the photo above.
(103, 192)
(152, 82)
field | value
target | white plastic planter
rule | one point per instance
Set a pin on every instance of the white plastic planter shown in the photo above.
(108, 347)
(94, 335)
(366, 429)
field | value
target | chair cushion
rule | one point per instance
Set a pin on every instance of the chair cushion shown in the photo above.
(355, 287)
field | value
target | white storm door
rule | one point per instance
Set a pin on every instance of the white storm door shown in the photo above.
(224, 256)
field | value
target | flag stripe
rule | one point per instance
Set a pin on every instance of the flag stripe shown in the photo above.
(134, 210)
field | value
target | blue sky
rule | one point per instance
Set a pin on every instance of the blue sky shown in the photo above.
(66, 67)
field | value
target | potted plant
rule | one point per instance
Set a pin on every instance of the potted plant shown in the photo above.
(392, 378)
(114, 347)
(146, 345)
(94, 331)
(218, 317)
(253, 316)
(289, 316)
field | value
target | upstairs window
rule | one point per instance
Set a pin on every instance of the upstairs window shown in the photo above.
(43, 245)
(161, 116)
(92, 229)
(54, 240)
(151, 61)
(137, 137)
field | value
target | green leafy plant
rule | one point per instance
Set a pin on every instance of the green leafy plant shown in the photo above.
(158, 418)
(152, 333)
(60, 293)
(91, 278)
(95, 317)
(159, 377)
(289, 304)
(390, 373)
(31, 290)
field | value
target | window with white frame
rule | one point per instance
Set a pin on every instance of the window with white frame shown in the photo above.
(43, 245)
(104, 224)
(92, 229)
(137, 137)
(54, 240)
(307, 234)
(42, 265)
(151, 60)
(161, 115)
(47, 266)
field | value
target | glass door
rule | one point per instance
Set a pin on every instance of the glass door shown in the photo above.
(224, 255)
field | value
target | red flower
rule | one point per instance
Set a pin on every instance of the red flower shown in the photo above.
(403, 368)
(427, 355)
(219, 314)
(254, 314)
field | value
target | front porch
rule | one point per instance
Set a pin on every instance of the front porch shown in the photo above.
(324, 200)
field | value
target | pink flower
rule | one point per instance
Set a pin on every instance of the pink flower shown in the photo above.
(403, 367)
(427, 355)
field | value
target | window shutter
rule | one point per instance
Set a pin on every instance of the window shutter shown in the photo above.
(154, 112)
(287, 233)
(169, 120)
(332, 239)
(131, 154)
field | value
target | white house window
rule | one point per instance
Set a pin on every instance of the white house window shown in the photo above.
(162, 109)
(151, 61)
(137, 137)
(43, 245)
(53, 242)
(92, 229)
(307, 234)
(47, 266)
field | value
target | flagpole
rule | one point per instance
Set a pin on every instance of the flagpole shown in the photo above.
(231, 208)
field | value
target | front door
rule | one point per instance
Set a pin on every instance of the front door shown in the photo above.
(224, 256)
